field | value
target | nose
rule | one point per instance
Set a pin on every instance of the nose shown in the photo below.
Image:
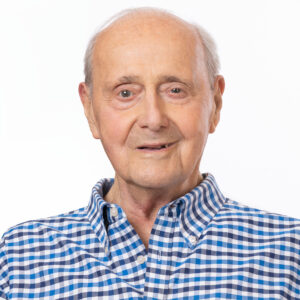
(153, 113)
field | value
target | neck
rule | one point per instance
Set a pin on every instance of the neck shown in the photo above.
(142, 204)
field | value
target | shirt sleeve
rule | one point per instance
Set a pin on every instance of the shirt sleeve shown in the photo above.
(4, 286)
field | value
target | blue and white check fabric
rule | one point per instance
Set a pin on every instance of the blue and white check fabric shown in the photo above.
(202, 246)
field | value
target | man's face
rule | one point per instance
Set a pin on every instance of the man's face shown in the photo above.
(152, 104)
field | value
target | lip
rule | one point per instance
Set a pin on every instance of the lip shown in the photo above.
(155, 147)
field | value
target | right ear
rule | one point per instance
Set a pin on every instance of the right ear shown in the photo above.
(84, 93)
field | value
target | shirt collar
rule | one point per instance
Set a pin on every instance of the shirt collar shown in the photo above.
(97, 206)
(195, 209)
(198, 208)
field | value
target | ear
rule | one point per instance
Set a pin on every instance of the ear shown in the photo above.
(219, 87)
(84, 93)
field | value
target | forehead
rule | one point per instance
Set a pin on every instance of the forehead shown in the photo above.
(147, 40)
(141, 23)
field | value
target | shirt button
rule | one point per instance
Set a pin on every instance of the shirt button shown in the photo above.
(114, 211)
(193, 240)
(141, 259)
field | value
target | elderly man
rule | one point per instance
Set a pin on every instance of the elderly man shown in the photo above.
(160, 229)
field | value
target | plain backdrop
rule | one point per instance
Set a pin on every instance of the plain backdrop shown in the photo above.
(49, 161)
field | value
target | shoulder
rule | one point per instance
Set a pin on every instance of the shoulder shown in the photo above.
(41, 231)
(236, 209)
(260, 223)
(30, 248)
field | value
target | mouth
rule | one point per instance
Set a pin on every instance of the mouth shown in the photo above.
(155, 147)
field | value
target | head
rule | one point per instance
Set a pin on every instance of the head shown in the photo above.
(152, 94)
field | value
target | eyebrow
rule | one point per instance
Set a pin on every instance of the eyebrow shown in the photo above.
(171, 78)
(128, 79)
(161, 79)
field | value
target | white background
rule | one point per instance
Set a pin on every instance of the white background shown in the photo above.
(49, 161)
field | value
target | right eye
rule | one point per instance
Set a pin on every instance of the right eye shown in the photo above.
(125, 94)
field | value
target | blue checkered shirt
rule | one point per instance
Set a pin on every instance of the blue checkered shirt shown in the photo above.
(202, 246)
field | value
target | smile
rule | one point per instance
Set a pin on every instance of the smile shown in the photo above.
(155, 147)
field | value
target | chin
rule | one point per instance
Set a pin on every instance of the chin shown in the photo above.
(155, 180)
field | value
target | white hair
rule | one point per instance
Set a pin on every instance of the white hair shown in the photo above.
(208, 43)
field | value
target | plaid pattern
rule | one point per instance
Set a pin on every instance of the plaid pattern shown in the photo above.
(202, 246)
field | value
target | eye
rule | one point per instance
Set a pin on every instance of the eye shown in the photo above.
(176, 90)
(125, 93)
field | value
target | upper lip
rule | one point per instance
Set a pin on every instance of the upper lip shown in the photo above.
(155, 145)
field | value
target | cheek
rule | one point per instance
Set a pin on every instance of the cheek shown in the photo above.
(194, 123)
(113, 128)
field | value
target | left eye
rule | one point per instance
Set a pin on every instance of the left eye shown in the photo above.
(176, 90)
(125, 93)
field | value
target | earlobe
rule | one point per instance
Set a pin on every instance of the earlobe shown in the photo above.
(86, 101)
(218, 92)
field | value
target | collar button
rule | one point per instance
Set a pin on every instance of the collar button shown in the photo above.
(114, 211)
